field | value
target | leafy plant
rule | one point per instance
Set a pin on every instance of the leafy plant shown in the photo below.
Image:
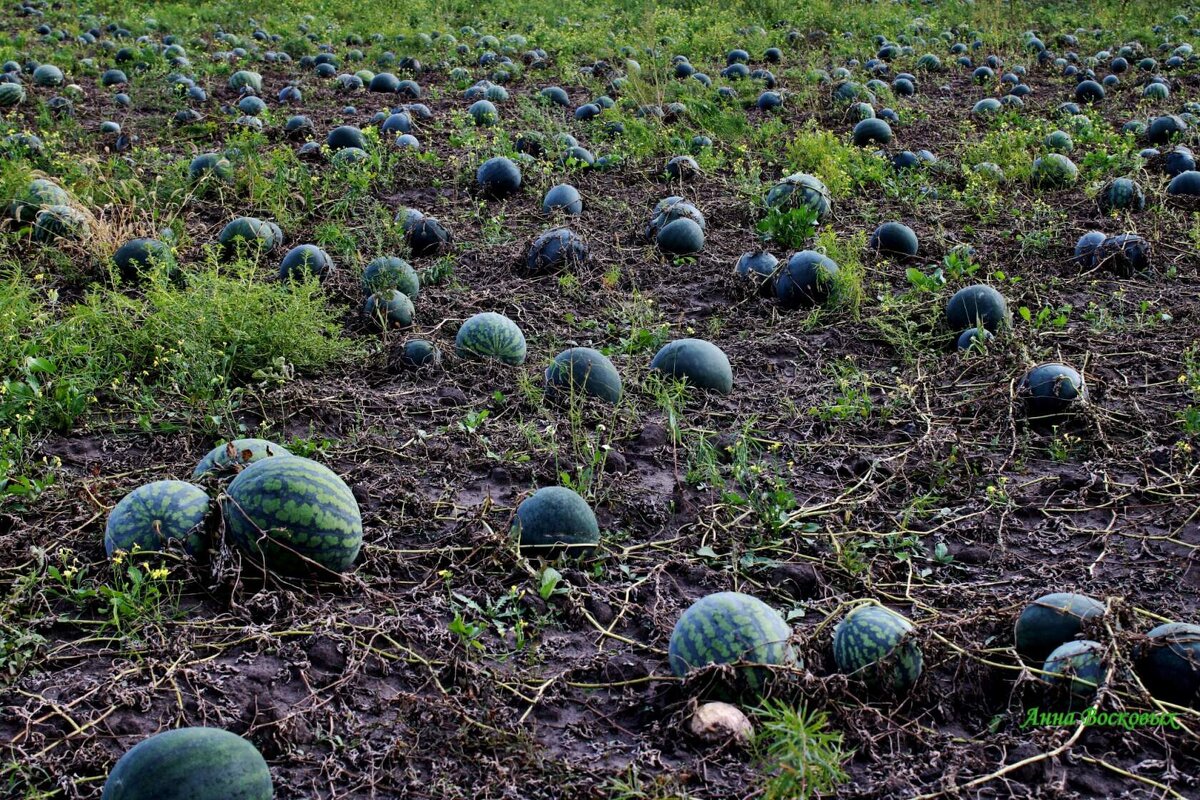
(799, 756)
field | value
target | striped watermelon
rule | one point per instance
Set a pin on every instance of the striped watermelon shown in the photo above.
(11, 94)
(877, 646)
(491, 335)
(389, 272)
(190, 764)
(293, 515)
(799, 190)
(151, 515)
(234, 455)
(1122, 194)
(731, 628)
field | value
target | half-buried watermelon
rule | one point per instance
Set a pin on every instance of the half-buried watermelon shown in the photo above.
(732, 628)
(234, 455)
(491, 335)
(293, 515)
(554, 520)
(151, 515)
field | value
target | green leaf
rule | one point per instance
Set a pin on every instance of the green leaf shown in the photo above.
(706, 552)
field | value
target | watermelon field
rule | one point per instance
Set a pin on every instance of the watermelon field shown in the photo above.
(599, 400)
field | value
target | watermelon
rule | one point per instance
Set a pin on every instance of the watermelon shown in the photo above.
(213, 164)
(1162, 129)
(293, 515)
(732, 628)
(11, 94)
(682, 168)
(1186, 182)
(256, 233)
(61, 222)
(556, 250)
(232, 456)
(304, 261)
(48, 75)
(389, 308)
(38, 194)
(1050, 392)
(758, 267)
(1059, 142)
(498, 177)
(418, 353)
(801, 190)
(563, 198)
(986, 107)
(134, 257)
(975, 339)
(806, 280)
(153, 514)
(680, 237)
(345, 136)
(1124, 254)
(484, 112)
(245, 78)
(1076, 666)
(491, 335)
(190, 764)
(1122, 194)
(1051, 620)
(389, 272)
(1168, 663)
(877, 646)
(554, 520)
(586, 370)
(701, 363)
(978, 305)
(424, 235)
(1054, 171)
(871, 131)
(895, 238)
(1085, 247)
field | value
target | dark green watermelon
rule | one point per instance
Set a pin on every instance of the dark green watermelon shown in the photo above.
(498, 177)
(304, 261)
(1054, 171)
(978, 305)
(388, 309)
(871, 131)
(801, 190)
(1077, 667)
(389, 272)
(418, 353)
(190, 764)
(680, 236)
(491, 335)
(894, 238)
(1122, 194)
(584, 370)
(878, 646)
(806, 280)
(702, 363)
(153, 514)
(134, 257)
(1050, 392)
(555, 520)
(1050, 621)
(293, 515)
(1168, 663)
(736, 629)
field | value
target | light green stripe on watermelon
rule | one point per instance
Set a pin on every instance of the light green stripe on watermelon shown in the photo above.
(877, 646)
(190, 764)
(287, 510)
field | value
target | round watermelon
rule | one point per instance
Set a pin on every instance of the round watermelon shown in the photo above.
(190, 764)
(554, 520)
(1122, 194)
(491, 335)
(389, 272)
(417, 353)
(584, 370)
(701, 363)
(877, 646)
(388, 309)
(1051, 391)
(1054, 171)
(895, 238)
(732, 628)
(1168, 662)
(1052, 620)
(293, 515)
(232, 456)
(11, 94)
(801, 189)
(806, 280)
(978, 305)
(151, 515)
(680, 236)
(1077, 667)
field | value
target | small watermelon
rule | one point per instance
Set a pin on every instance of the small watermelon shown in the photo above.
(1122, 194)
(232, 456)
(491, 335)
(801, 190)
(895, 238)
(701, 363)
(1076, 666)
(418, 353)
(1052, 620)
(292, 515)
(584, 370)
(978, 305)
(732, 628)
(388, 309)
(11, 94)
(878, 646)
(806, 280)
(556, 250)
(1055, 171)
(153, 514)
(190, 764)
(554, 520)
(1168, 662)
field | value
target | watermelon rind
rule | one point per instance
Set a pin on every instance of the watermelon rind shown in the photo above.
(190, 764)
(1051, 620)
(732, 628)
(156, 513)
(554, 520)
(702, 363)
(293, 515)
(1077, 667)
(586, 371)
